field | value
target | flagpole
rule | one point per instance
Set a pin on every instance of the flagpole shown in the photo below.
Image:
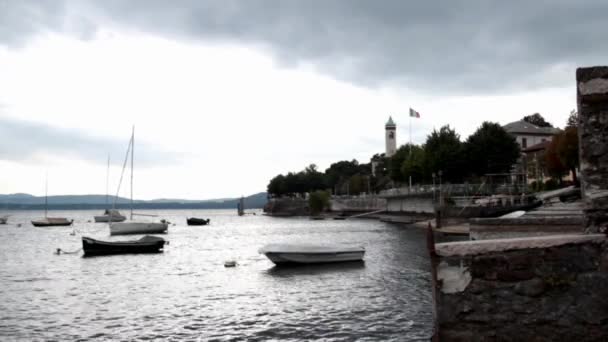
(410, 115)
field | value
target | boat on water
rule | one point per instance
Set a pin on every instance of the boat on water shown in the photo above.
(282, 254)
(194, 221)
(135, 227)
(139, 227)
(147, 244)
(50, 221)
(3, 219)
(110, 215)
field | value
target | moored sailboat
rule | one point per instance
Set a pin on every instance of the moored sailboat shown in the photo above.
(135, 227)
(109, 215)
(50, 221)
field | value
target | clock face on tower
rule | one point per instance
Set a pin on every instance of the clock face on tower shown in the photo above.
(391, 135)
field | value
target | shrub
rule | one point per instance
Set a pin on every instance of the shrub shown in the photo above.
(318, 201)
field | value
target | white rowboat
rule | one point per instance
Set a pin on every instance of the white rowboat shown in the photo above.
(311, 254)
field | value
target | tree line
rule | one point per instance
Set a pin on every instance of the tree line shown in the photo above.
(489, 150)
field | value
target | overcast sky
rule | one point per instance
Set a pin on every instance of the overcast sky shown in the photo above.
(224, 95)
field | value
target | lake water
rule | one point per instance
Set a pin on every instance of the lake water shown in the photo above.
(186, 293)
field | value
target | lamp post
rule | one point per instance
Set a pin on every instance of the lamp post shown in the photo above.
(434, 175)
(440, 195)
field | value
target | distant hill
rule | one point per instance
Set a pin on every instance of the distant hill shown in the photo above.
(27, 201)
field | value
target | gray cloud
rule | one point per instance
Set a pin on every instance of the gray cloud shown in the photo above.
(450, 47)
(24, 141)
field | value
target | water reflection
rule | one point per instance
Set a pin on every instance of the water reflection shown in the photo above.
(314, 269)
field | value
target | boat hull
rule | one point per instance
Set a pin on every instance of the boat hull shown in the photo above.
(147, 244)
(124, 228)
(193, 221)
(106, 218)
(282, 258)
(52, 222)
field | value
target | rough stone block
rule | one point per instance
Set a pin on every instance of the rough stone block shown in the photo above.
(592, 83)
(531, 288)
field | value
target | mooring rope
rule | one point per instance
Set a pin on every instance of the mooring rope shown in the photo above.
(61, 251)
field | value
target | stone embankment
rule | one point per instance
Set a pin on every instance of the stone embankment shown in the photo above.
(541, 288)
(526, 289)
(287, 207)
(339, 204)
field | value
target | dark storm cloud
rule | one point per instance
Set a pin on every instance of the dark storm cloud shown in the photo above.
(25, 141)
(446, 46)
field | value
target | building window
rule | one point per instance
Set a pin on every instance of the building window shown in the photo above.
(524, 142)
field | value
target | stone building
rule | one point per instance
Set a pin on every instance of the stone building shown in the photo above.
(390, 136)
(528, 134)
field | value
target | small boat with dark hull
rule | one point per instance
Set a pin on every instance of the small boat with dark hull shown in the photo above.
(193, 221)
(52, 222)
(3, 219)
(147, 244)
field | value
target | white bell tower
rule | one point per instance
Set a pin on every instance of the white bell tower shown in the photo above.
(390, 137)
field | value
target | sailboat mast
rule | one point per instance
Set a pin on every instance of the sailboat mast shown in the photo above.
(46, 194)
(107, 182)
(132, 153)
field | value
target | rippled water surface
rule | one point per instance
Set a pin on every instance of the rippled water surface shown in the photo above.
(186, 293)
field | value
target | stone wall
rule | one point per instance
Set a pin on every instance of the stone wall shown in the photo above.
(534, 289)
(504, 228)
(287, 207)
(299, 206)
(592, 98)
(411, 204)
(357, 204)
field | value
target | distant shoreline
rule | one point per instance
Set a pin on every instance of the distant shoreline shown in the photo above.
(14, 207)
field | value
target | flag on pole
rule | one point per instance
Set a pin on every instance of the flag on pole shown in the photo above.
(414, 113)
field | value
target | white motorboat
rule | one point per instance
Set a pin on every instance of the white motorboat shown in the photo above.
(311, 254)
(3, 219)
(52, 222)
(135, 227)
(132, 227)
(110, 215)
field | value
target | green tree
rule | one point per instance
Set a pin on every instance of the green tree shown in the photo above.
(567, 150)
(355, 184)
(338, 173)
(395, 162)
(381, 162)
(537, 119)
(413, 165)
(572, 119)
(443, 151)
(555, 167)
(277, 186)
(314, 180)
(491, 150)
(318, 201)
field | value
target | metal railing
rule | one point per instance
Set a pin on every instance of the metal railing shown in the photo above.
(483, 189)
